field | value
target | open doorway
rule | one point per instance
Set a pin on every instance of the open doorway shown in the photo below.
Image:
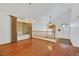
(20, 29)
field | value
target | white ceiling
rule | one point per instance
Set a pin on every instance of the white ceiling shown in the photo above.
(39, 11)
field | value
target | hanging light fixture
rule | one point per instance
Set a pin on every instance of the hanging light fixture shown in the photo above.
(29, 13)
(50, 25)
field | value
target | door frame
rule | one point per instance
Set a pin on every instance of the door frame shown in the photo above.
(13, 29)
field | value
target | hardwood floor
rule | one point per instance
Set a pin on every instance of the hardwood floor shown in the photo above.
(37, 47)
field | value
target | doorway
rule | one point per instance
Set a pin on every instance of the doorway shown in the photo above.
(20, 29)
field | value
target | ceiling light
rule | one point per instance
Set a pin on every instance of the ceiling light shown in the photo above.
(29, 13)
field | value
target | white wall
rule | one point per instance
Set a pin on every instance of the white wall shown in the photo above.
(63, 18)
(39, 27)
(75, 25)
(5, 32)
